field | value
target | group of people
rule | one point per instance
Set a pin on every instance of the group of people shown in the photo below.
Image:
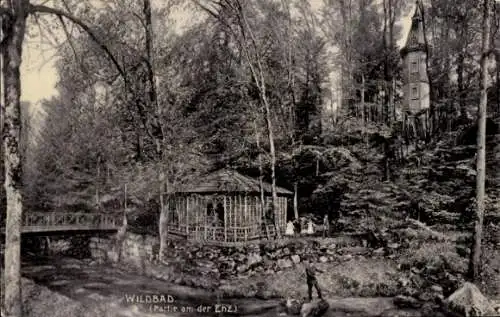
(306, 227)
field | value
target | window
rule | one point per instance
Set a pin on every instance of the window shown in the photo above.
(414, 66)
(414, 92)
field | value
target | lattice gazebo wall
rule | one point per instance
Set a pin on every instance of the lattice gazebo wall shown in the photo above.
(223, 218)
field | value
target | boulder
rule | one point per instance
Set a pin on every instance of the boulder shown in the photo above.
(393, 245)
(426, 296)
(292, 306)
(345, 258)
(469, 301)
(242, 268)
(295, 258)
(315, 308)
(437, 289)
(379, 251)
(496, 307)
(406, 302)
(265, 293)
(254, 259)
(284, 263)
(362, 306)
(404, 282)
(431, 309)
(354, 250)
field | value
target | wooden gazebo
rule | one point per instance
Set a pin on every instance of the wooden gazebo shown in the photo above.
(225, 208)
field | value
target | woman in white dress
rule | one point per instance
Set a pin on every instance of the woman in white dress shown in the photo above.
(310, 228)
(289, 228)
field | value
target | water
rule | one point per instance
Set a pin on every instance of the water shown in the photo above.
(103, 284)
(107, 286)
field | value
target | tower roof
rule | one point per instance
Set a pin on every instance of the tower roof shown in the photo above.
(416, 36)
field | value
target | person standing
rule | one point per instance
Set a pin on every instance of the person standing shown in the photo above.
(289, 228)
(326, 227)
(310, 227)
(311, 279)
(296, 225)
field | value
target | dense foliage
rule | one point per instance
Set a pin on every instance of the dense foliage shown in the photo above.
(104, 129)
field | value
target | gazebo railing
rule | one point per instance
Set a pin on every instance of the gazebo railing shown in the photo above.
(221, 234)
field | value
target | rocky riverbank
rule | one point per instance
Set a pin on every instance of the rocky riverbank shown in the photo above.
(274, 268)
(414, 264)
(85, 288)
(70, 287)
(210, 267)
(40, 301)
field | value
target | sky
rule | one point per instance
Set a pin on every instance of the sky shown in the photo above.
(39, 76)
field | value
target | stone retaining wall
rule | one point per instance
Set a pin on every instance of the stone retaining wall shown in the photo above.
(196, 265)
(136, 249)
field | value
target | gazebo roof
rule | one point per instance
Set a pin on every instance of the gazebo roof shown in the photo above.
(229, 181)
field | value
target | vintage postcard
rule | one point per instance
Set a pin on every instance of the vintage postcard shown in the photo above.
(249, 158)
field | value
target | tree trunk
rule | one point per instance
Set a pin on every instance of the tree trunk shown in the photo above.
(386, 112)
(163, 221)
(497, 66)
(460, 84)
(12, 56)
(261, 170)
(158, 133)
(387, 169)
(163, 230)
(290, 65)
(250, 49)
(392, 89)
(139, 146)
(363, 119)
(392, 21)
(475, 259)
(317, 167)
(272, 151)
(392, 99)
(295, 201)
(98, 176)
(121, 234)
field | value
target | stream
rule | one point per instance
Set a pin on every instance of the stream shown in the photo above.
(127, 293)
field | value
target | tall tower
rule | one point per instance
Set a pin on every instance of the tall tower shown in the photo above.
(414, 53)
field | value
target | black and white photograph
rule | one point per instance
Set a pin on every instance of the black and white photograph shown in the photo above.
(254, 158)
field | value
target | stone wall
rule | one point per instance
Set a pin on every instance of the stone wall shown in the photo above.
(136, 250)
(204, 266)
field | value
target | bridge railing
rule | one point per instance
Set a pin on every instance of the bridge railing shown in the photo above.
(80, 219)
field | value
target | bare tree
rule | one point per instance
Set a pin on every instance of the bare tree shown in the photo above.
(14, 16)
(14, 26)
(475, 259)
(245, 35)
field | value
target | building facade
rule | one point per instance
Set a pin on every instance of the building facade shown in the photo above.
(416, 88)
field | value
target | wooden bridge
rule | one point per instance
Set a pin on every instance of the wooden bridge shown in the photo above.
(57, 222)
